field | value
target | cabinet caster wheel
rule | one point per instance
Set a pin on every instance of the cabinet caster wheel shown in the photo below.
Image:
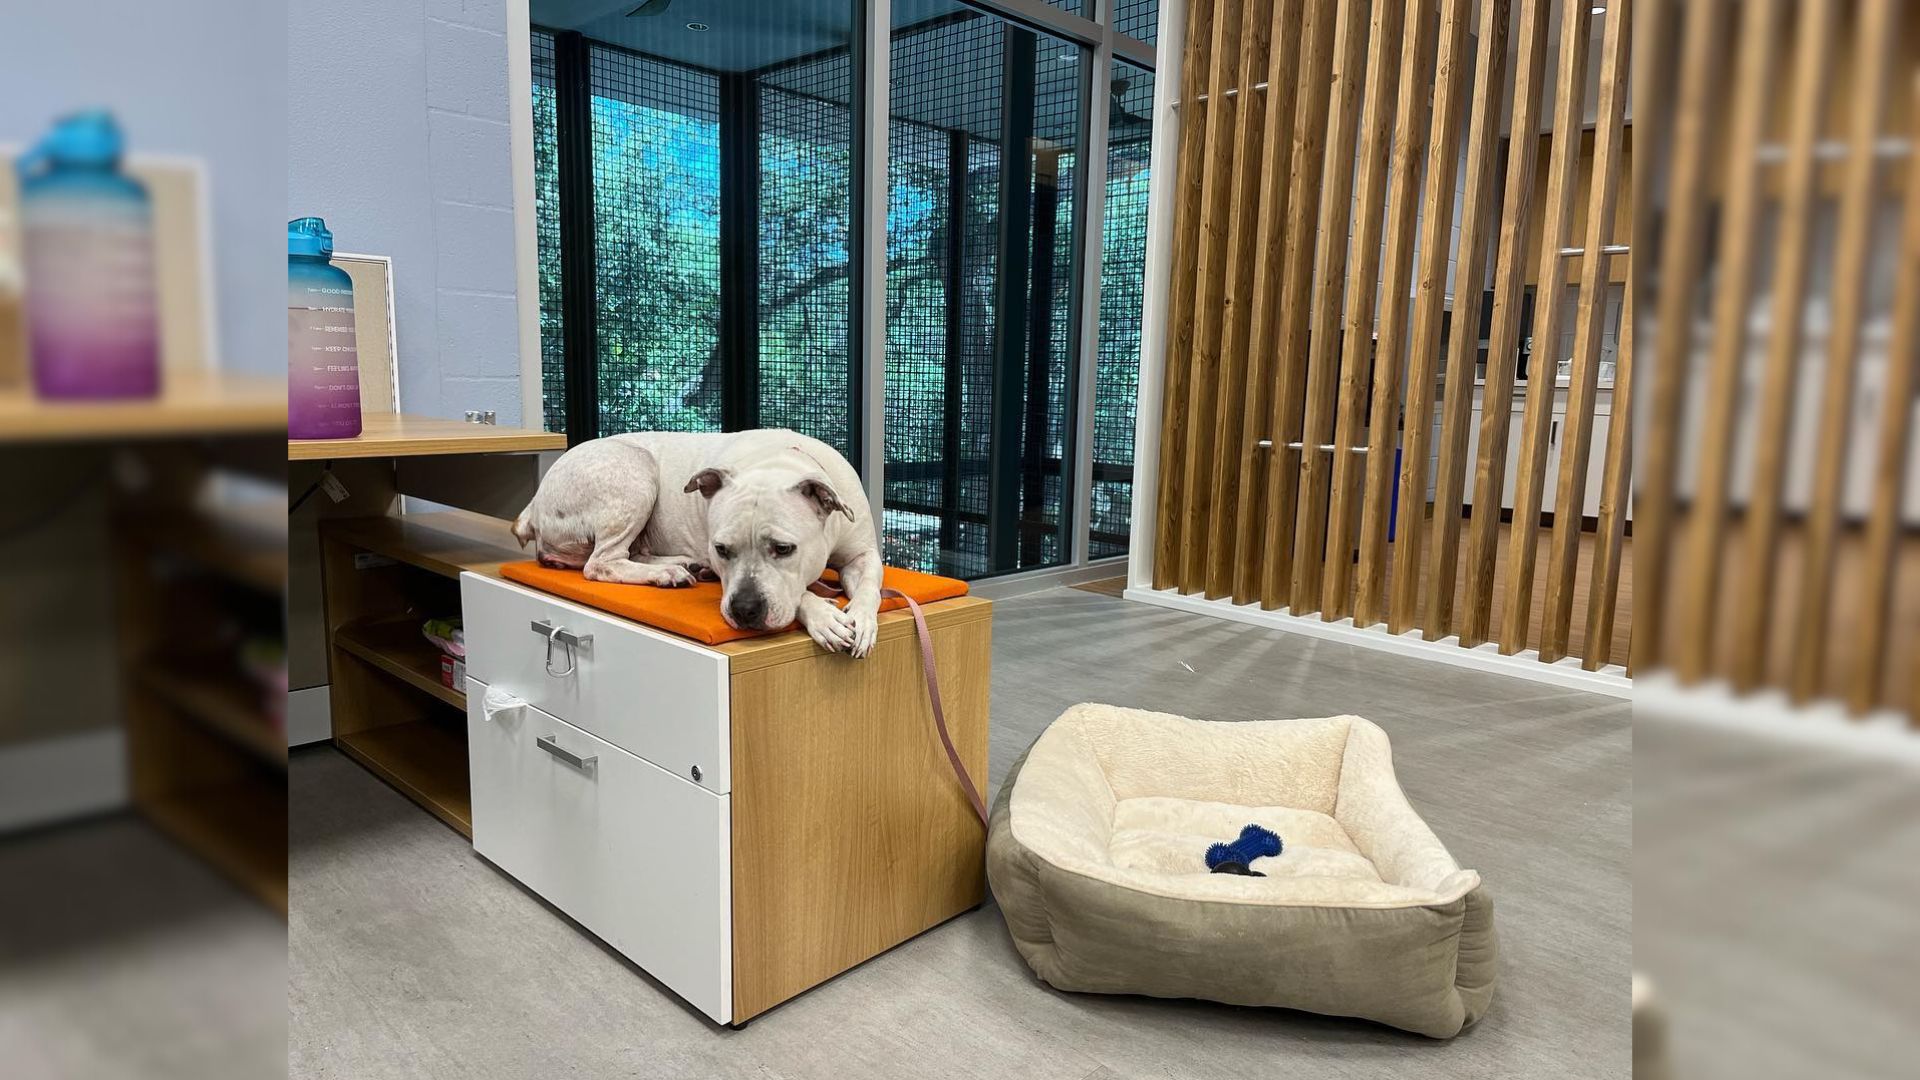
(741, 1026)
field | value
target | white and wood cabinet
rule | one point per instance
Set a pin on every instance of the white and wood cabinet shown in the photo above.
(742, 821)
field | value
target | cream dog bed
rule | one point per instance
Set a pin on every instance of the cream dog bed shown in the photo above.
(1096, 856)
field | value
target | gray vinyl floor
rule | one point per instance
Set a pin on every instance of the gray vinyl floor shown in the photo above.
(410, 957)
(123, 957)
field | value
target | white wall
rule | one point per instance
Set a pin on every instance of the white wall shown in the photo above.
(397, 122)
(198, 78)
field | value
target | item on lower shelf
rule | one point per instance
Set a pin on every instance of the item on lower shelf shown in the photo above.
(447, 635)
(265, 661)
(453, 672)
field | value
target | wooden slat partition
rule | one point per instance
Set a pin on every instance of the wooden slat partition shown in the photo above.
(1319, 37)
(1339, 314)
(1697, 589)
(1440, 56)
(1681, 255)
(1186, 250)
(1576, 443)
(1483, 144)
(1249, 127)
(1216, 195)
(1859, 201)
(1325, 303)
(1603, 590)
(1503, 339)
(1395, 120)
(1893, 447)
(1351, 35)
(1289, 30)
(1813, 61)
(1562, 176)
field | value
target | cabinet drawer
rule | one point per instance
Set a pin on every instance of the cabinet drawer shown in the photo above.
(648, 693)
(636, 855)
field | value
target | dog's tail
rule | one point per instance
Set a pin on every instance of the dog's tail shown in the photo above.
(523, 526)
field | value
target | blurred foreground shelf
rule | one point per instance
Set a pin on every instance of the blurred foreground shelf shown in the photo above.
(224, 702)
(241, 828)
(190, 404)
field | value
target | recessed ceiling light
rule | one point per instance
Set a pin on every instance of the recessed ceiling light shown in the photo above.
(699, 27)
(1599, 11)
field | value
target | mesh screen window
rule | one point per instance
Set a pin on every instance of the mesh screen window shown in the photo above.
(806, 179)
(546, 202)
(1123, 271)
(656, 210)
(943, 321)
(1137, 19)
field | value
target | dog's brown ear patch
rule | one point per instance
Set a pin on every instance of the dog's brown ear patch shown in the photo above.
(823, 496)
(707, 481)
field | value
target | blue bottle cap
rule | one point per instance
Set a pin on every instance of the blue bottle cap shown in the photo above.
(88, 138)
(309, 236)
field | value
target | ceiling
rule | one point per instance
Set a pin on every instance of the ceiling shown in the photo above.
(947, 72)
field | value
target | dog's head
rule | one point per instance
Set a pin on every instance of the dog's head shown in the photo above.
(768, 537)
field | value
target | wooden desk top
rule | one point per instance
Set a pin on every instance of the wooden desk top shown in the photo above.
(191, 403)
(450, 542)
(399, 435)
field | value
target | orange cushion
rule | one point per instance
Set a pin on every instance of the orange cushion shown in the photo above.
(694, 611)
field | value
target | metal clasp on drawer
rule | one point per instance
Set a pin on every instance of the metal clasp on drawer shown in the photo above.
(569, 640)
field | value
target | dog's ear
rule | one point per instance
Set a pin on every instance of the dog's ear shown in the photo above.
(708, 481)
(824, 497)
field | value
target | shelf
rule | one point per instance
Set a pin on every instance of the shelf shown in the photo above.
(224, 703)
(190, 404)
(246, 547)
(446, 542)
(425, 761)
(391, 435)
(397, 647)
(240, 828)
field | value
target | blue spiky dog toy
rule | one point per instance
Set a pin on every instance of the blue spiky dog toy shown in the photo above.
(1237, 857)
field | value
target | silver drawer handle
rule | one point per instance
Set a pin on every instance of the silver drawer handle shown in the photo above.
(567, 639)
(547, 743)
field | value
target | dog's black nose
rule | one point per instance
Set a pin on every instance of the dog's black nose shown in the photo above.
(748, 610)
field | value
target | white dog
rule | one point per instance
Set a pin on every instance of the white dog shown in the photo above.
(765, 510)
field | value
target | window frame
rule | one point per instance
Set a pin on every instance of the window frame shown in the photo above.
(1095, 30)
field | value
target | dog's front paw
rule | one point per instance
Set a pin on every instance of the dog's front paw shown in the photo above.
(831, 628)
(673, 577)
(866, 627)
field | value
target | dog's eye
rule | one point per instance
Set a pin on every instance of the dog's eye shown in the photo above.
(781, 550)
(723, 551)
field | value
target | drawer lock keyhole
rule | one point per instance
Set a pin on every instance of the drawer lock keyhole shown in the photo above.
(696, 772)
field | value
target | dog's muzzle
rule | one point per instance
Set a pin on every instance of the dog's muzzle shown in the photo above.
(747, 609)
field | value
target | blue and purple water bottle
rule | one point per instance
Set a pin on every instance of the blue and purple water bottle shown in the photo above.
(92, 317)
(323, 363)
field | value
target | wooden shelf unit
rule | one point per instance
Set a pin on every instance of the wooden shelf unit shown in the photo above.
(207, 763)
(391, 713)
(240, 828)
(222, 702)
(393, 435)
(423, 760)
(397, 647)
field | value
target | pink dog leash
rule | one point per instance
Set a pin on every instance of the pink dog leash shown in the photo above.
(933, 695)
(928, 668)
